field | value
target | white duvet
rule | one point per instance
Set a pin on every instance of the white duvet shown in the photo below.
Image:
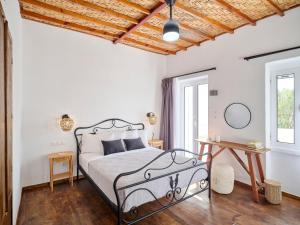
(103, 170)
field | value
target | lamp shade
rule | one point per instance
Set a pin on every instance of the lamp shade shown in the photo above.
(152, 118)
(66, 123)
(171, 31)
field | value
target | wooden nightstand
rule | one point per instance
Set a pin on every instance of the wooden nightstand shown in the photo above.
(156, 143)
(61, 157)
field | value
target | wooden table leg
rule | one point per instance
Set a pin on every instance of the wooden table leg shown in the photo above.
(51, 174)
(252, 177)
(210, 147)
(71, 171)
(260, 169)
(202, 147)
(218, 152)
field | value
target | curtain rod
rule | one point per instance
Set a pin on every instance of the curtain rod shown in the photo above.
(200, 71)
(270, 53)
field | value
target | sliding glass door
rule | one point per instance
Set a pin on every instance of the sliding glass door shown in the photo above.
(194, 111)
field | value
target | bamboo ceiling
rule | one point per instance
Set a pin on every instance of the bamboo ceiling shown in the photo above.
(139, 23)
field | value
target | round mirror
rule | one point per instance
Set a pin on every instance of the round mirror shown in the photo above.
(237, 115)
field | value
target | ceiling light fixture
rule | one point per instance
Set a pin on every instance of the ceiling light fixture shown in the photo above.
(171, 28)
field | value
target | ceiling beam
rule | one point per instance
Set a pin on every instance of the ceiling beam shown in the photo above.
(72, 26)
(158, 40)
(104, 10)
(163, 17)
(74, 14)
(149, 46)
(120, 15)
(198, 14)
(235, 11)
(135, 6)
(142, 21)
(144, 48)
(186, 27)
(275, 7)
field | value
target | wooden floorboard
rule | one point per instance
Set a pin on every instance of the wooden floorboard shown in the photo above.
(81, 205)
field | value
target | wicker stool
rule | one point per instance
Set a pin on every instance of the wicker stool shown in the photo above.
(273, 191)
(222, 178)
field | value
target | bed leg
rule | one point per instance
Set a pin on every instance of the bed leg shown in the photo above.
(119, 218)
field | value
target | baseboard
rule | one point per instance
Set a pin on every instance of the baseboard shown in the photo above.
(47, 184)
(283, 193)
(248, 186)
(291, 196)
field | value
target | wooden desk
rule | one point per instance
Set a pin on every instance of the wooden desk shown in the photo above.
(61, 157)
(231, 146)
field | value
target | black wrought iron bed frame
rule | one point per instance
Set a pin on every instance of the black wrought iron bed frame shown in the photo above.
(174, 196)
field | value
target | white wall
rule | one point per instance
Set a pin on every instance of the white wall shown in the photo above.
(242, 81)
(11, 10)
(87, 77)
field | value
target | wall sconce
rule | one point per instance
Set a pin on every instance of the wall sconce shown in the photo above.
(66, 123)
(152, 120)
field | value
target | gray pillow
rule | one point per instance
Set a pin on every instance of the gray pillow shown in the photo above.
(111, 147)
(135, 143)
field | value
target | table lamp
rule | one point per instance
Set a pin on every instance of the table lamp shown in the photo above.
(152, 120)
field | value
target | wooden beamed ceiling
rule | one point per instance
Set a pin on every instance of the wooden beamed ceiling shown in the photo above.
(139, 23)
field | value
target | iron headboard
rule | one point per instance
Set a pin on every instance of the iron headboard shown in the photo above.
(103, 125)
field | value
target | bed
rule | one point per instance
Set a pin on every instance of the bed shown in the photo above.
(127, 180)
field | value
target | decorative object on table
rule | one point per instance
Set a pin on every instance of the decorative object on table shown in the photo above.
(222, 178)
(255, 145)
(237, 115)
(273, 191)
(152, 120)
(66, 123)
(171, 28)
(218, 138)
(59, 157)
(156, 143)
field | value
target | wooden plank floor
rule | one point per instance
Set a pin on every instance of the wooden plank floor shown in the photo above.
(81, 205)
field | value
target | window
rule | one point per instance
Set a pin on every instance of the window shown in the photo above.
(284, 109)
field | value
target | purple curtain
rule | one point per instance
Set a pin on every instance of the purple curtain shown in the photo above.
(166, 125)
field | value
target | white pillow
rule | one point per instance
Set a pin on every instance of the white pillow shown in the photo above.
(90, 143)
(118, 134)
(143, 134)
(131, 134)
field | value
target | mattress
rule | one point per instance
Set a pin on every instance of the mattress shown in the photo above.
(104, 169)
(86, 158)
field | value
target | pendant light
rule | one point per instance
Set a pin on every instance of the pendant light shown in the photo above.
(171, 28)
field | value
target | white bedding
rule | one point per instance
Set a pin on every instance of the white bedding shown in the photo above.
(86, 158)
(104, 169)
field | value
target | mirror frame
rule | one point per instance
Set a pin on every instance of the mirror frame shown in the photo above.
(238, 103)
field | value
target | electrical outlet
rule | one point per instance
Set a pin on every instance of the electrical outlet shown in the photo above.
(57, 143)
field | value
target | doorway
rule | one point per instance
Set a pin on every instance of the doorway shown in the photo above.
(193, 122)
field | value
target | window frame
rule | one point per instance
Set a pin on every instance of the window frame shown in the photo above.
(274, 143)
